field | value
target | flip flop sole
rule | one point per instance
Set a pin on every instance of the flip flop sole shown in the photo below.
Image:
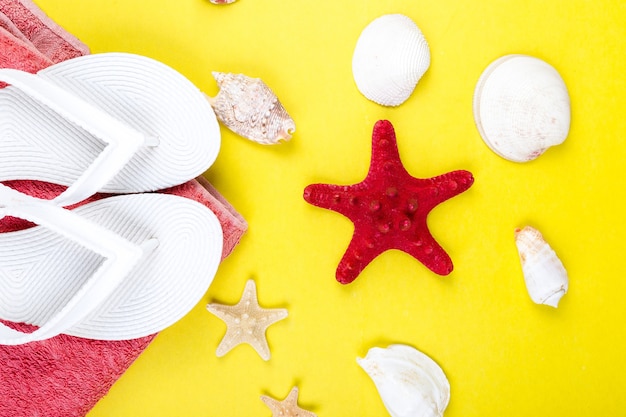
(147, 95)
(40, 271)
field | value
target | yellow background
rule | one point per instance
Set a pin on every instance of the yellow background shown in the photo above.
(503, 355)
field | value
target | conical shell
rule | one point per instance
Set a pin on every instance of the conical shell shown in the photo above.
(521, 107)
(390, 57)
(409, 382)
(248, 107)
(545, 276)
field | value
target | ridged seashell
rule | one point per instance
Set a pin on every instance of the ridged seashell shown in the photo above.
(390, 57)
(544, 273)
(521, 107)
(248, 107)
(222, 1)
(410, 383)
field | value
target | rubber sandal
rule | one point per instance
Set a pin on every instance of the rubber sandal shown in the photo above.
(118, 268)
(112, 122)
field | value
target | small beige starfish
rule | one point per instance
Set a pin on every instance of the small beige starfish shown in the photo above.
(287, 407)
(246, 322)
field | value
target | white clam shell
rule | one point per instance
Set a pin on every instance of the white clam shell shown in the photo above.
(390, 57)
(409, 382)
(521, 107)
(545, 276)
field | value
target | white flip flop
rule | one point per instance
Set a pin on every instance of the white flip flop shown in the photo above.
(118, 268)
(111, 122)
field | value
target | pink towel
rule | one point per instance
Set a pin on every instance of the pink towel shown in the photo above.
(18, 54)
(26, 21)
(65, 375)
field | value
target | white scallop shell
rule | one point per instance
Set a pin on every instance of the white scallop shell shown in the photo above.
(544, 273)
(390, 57)
(410, 383)
(248, 107)
(521, 107)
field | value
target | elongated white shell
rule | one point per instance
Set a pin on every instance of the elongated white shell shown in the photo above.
(410, 383)
(521, 107)
(544, 273)
(390, 57)
(248, 107)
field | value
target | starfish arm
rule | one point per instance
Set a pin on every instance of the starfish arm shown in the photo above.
(288, 406)
(260, 345)
(258, 338)
(272, 315)
(339, 198)
(228, 315)
(249, 294)
(384, 147)
(361, 251)
(271, 403)
(229, 341)
(446, 186)
(225, 312)
(425, 249)
(292, 397)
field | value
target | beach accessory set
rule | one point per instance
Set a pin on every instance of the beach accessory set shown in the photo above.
(108, 233)
(98, 256)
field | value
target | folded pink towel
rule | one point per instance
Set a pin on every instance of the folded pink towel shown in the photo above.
(15, 53)
(63, 376)
(45, 35)
(66, 376)
(8, 25)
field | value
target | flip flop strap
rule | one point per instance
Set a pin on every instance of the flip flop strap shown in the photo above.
(120, 257)
(122, 140)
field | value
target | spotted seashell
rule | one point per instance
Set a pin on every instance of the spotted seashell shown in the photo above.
(544, 273)
(390, 57)
(248, 107)
(521, 107)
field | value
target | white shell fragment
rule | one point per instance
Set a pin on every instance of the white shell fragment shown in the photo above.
(521, 107)
(248, 107)
(546, 278)
(410, 383)
(390, 57)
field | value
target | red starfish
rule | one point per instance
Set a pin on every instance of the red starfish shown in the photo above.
(389, 208)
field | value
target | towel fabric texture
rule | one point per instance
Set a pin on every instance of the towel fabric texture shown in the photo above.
(30, 24)
(65, 375)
